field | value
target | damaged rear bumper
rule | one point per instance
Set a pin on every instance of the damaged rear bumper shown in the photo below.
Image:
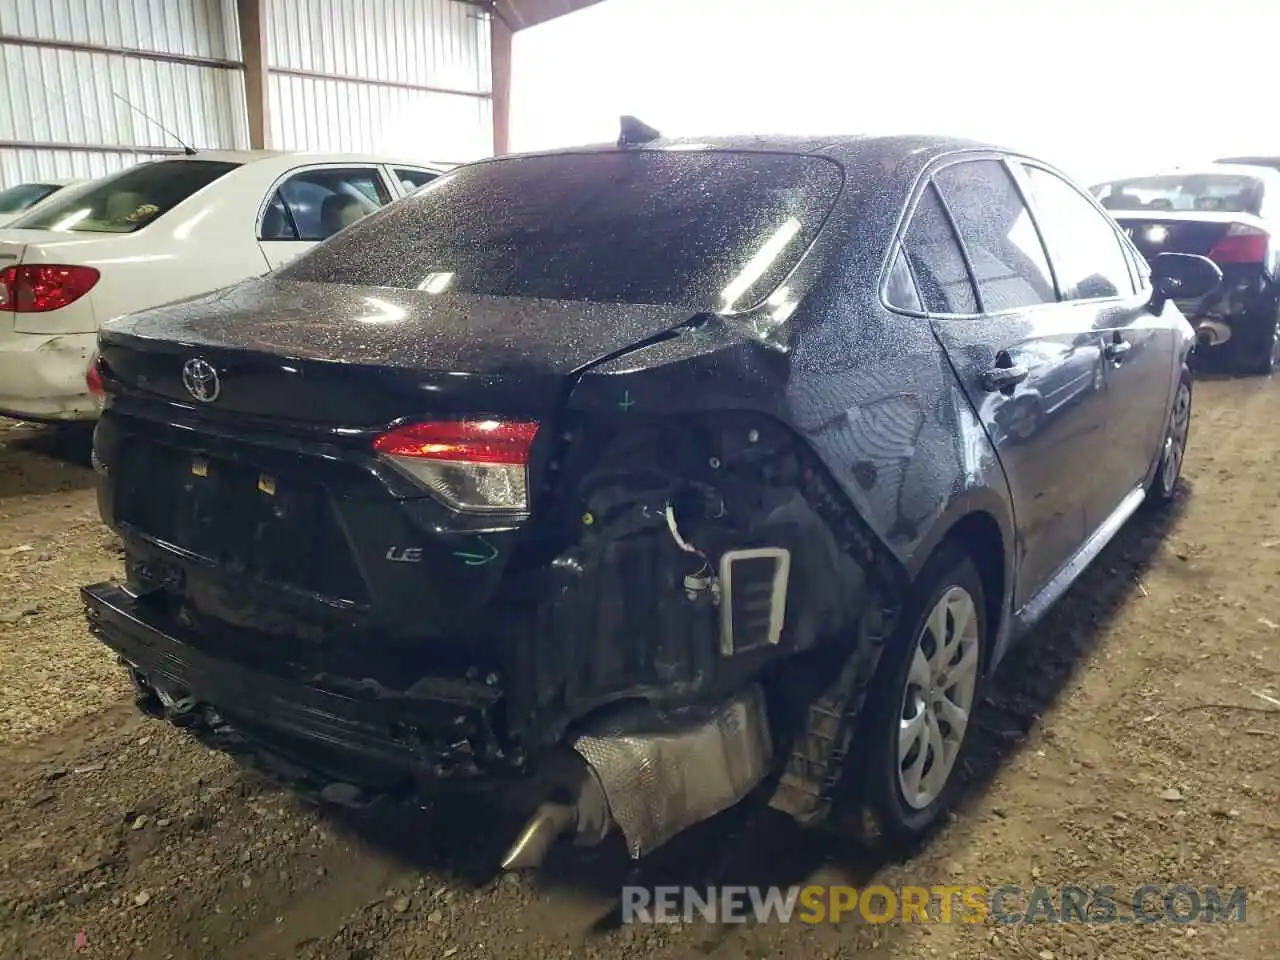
(42, 377)
(646, 772)
(437, 730)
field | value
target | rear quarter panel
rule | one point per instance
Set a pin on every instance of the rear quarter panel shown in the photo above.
(870, 392)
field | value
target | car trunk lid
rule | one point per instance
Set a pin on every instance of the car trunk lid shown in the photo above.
(355, 357)
(1182, 231)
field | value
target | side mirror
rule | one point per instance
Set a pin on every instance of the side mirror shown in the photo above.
(1182, 276)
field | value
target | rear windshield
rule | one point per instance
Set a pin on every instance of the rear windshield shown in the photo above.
(24, 195)
(1209, 191)
(127, 201)
(710, 230)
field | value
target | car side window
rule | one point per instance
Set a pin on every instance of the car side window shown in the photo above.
(936, 260)
(1083, 244)
(900, 290)
(1009, 261)
(412, 179)
(321, 202)
(277, 222)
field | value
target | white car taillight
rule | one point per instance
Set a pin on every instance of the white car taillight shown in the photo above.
(474, 466)
(93, 379)
(41, 287)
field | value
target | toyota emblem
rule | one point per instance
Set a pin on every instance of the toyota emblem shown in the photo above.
(201, 380)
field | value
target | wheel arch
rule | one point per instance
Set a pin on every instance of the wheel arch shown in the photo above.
(980, 523)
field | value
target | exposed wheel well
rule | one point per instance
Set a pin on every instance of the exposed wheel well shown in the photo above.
(978, 534)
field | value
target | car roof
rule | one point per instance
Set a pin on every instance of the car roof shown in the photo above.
(44, 181)
(1267, 174)
(1255, 159)
(838, 147)
(288, 158)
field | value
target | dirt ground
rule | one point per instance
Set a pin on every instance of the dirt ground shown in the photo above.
(1130, 741)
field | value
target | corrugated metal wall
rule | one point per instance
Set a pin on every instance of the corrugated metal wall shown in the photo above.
(404, 77)
(61, 61)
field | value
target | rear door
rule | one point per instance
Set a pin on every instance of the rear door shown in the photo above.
(311, 204)
(1028, 363)
(1088, 256)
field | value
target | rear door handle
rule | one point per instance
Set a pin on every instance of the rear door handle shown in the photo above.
(1118, 348)
(1003, 378)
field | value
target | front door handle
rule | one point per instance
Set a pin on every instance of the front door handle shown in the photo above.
(1116, 349)
(1003, 378)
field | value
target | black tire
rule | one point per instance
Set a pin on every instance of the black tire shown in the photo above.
(1264, 357)
(1164, 485)
(880, 791)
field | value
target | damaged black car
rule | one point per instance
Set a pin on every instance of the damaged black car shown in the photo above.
(635, 480)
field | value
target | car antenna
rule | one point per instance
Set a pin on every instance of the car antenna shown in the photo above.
(187, 149)
(635, 131)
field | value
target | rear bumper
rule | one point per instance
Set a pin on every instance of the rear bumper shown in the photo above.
(42, 376)
(381, 740)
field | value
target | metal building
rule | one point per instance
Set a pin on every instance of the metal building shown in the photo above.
(88, 86)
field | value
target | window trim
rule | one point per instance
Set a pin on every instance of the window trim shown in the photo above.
(393, 193)
(960, 244)
(1121, 239)
(922, 183)
(1022, 183)
(898, 250)
(1011, 160)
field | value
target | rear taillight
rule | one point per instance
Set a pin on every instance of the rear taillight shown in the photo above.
(477, 466)
(1241, 244)
(41, 287)
(93, 379)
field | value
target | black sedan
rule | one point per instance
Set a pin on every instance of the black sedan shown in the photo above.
(628, 481)
(1227, 213)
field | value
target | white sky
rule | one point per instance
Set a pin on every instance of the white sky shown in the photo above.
(1101, 87)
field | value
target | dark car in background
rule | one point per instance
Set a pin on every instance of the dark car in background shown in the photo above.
(632, 480)
(1229, 214)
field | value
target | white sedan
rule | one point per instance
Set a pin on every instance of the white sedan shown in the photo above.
(157, 232)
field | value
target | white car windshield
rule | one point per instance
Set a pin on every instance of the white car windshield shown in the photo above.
(127, 201)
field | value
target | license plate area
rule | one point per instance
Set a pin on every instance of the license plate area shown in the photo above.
(245, 520)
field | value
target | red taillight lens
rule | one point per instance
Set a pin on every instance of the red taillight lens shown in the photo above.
(40, 287)
(1241, 244)
(478, 466)
(93, 378)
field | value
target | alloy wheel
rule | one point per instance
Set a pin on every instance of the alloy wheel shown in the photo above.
(938, 698)
(1176, 444)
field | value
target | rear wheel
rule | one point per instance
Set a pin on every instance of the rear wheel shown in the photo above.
(918, 714)
(1165, 484)
(1264, 358)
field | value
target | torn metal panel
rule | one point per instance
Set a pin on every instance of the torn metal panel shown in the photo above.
(663, 773)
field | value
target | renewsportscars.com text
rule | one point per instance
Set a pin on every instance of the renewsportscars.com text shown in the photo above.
(1150, 903)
